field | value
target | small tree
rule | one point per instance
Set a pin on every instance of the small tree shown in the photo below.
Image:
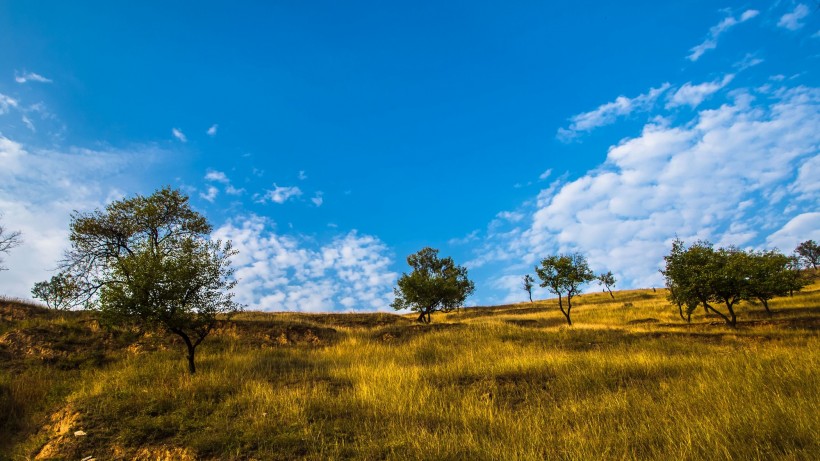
(435, 284)
(149, 260)
(770, 274)
(60, 292)
(564, 275)
(527, 283)
(8, 241)
(809, 253)
(607, 280)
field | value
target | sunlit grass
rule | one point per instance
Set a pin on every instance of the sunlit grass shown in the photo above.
(630, 380)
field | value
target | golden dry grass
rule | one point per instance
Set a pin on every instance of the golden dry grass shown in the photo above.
(629, 380)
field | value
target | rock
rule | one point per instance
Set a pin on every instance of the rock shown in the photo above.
(89, 458)
(79, 433)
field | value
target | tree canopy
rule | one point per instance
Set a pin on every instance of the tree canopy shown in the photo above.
(564, 275)
(608, 281)
(528, 283)
(434, 284)
(149, 260)
(809, 253)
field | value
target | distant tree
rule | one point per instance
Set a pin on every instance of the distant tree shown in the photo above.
(693, 274)
(769, 275)
(809, 253)
(607, 280)
(149, 260)
(435, 284)
(60, 292)
(564, 275)
(8, 241)
(528, 284)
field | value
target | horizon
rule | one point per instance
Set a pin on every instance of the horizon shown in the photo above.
(329, 142)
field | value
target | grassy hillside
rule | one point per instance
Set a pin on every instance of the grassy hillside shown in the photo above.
(629, 380)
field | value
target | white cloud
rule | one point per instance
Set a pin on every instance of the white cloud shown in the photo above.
(302, 175)
(317, 199)
(27, 122)
(545, 174)
(749, 60)
(471, 237)
(217, 176)
(65, 180)
(212, 130)
(608, 113)
(7, 103)
(210, 194)
(791, 20)
(280, 194)
(744, 173)
(30, 77)
(282, 272)
(802, 227)
(179, 134)
(711, 40)
(693, 95)
(230, 190)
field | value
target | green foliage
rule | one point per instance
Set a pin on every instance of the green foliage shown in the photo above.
(149, 260)
(702, 275)
(527, 283)
(607, 280)
(564, 275)
(809, 253)
(435, 284)
(60, 292)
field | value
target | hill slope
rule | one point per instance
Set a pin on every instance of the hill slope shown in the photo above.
(628, 380)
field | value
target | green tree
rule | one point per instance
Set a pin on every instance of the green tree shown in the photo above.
(8, 241)
(607, 280)
(435, 284)
(60, 292)
(770, 274)
(527, 283)
(149, 260)
(564, 275)
(809, 253)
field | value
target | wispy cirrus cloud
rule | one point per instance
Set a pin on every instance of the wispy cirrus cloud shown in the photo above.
(692, 95)
(177, 133)
(608, 113)
(7, 103)
(793, 20)
(24, 77)
(711, 41)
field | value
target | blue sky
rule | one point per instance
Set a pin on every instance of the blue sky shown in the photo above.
(330, 140)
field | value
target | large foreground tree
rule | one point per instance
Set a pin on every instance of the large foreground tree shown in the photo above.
(564, 275)
(434, 284)
(150, 260)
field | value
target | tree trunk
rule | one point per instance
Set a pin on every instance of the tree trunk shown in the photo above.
(680, 311)
(569, 309)
(733, 323)
(765, 303)
(610, 292)
(726, 319)
(191, 349)
(530, 292)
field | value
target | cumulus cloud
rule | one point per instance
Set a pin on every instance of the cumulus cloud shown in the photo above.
(65, 180)
(280, 194)
(212, 130)
(608, 113)
(693, 95)
(545, 174)
(792, 21)
(711, 40)
(317, 199)
(179, 134)
(743, 173)
(24, 77)
(216, 176)
(210, 194)
(285, 272)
